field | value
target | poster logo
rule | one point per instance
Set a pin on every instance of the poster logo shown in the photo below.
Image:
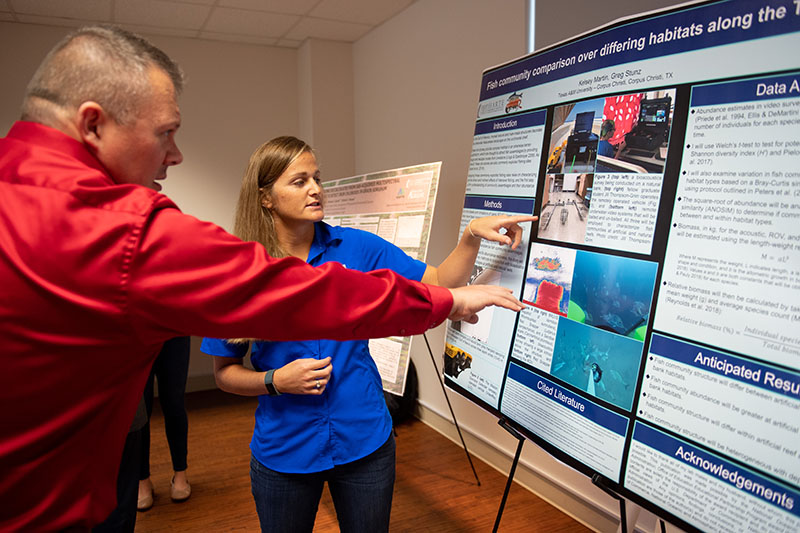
(514, 102)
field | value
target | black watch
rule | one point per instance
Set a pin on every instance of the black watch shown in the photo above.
(271, 390)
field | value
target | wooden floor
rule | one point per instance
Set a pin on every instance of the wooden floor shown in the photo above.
(435, 489)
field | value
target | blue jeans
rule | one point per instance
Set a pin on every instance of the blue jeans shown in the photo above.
(361, 492)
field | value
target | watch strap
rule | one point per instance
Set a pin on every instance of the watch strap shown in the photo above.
(271, 389)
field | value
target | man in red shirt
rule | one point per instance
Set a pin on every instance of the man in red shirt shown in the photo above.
(98, 269)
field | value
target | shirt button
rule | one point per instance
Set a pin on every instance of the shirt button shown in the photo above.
(402, 332)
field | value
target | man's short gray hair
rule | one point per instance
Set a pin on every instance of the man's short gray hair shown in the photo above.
(103, 64)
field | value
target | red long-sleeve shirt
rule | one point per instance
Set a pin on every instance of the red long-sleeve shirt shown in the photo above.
(94, 276)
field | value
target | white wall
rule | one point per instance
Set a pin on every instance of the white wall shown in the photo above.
(562, 19)
(23, 48)
(325, 106)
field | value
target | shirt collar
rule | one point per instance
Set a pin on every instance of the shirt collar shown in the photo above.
(324, 236)
(53, 139)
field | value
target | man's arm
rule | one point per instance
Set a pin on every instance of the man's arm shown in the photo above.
(191, 277)
(468, 301)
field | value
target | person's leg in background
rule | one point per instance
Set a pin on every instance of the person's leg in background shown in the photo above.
(146, 494)
(172, 369)
(362, 491)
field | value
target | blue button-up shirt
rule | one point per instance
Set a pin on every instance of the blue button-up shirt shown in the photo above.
(307, 433)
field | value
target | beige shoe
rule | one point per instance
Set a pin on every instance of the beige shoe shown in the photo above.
(179, 495)
(145, 501)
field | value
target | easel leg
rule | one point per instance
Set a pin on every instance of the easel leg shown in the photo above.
(521, 440)
(452, 413)
(627, 520)
(632, 514)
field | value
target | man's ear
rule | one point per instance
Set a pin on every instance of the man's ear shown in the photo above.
(92, 120)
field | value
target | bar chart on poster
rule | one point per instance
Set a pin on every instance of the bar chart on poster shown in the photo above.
(660, 346)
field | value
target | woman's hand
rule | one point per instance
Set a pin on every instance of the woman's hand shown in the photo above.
(303, 376)
(457, 267)
(489, 228)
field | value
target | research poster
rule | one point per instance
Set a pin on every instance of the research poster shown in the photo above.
(396, 205)
(660, 346)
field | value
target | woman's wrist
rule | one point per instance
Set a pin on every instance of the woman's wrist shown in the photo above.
(272, 390)
(469, 229)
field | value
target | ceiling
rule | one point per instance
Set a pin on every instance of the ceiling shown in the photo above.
(284, 23)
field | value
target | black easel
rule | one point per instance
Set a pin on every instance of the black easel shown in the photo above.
(452, 413)
(521, 440)
(599, 482)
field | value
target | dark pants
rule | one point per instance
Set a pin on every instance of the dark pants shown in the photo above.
(171, 367)
(123, 518)
(361, 493)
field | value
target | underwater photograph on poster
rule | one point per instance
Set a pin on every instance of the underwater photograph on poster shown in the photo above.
(603, 364)
(549, 278)
(612, 293)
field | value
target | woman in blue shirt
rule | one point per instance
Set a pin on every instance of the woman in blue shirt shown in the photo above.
(321, 413)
